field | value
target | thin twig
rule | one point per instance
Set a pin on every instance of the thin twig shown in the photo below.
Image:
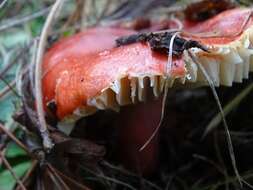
(112, 179)
(7, 89)
(71, 180)
(9, 86)
(29, 173)
(104, 11)
(211, 162)
(59, 184)
(126, 172)
(4, 143)
(14, 61)
(56, 182)
(3, 3)
(75, 16)
(229, 140)
(63, 184)
(3, 150)
(27, 70)
(219, 157)
(8, 166)
(247, 175)
(12, 137)
(40, 184)
(228, 108)
(18, 21)
(86, 14)
(47, 142)
(116, 181)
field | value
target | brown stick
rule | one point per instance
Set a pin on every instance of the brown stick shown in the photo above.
(81, 186)
(7, 89)
(8, 166)
(12, 137)
(56, 178)
(28, 174)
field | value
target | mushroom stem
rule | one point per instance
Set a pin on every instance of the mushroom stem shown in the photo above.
(137, 123)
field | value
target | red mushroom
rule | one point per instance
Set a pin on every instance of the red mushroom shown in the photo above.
(85, 73)
(81, 78)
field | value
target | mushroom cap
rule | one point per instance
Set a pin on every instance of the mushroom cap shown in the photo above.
(71, 48)
(86, 72)
(224, 28)
(82, 67)
(229, 37)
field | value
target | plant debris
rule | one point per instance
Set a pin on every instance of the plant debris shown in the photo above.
(160, 42)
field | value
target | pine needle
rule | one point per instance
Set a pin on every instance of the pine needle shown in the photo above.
(229, 140)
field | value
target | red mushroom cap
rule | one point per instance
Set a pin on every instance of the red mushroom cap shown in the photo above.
(84, 66)
(224, 28)
(80, 68)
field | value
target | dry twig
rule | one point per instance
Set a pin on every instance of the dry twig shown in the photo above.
(28, 174)
(12, 137)
(229, 140)
(53, 174)
(47, 142)
(66, 178)
(7, 89)
(17, 21)
(8, 166)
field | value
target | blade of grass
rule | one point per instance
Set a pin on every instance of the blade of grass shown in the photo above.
(7, 89)
(229, 140)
